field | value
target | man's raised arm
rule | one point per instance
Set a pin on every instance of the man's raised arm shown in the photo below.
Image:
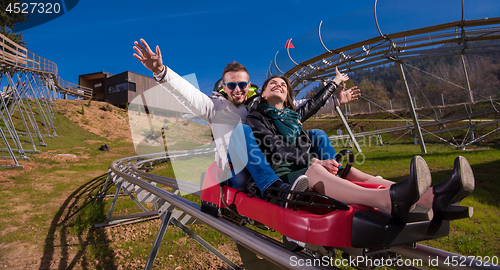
(189, 96)
(148, 58)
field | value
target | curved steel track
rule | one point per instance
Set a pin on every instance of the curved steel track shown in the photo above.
(127, 170)
(396, 47)
(380, 50)
(130, 170)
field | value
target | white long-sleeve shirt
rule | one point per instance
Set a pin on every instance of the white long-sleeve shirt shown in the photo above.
(222, 114)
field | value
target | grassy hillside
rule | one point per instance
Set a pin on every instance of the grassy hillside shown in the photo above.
(47, 212)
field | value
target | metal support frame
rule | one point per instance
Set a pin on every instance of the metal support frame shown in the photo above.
(122, 185)
(43, 107)
(416, 125)
(5, 114)
(351, 135)
(29, 76)
(165, 219)
(32, 116)
(16, 164)
(105, 187)
(204, 243)
(23, 85)
(378, 138)
(402, 46)
(48, 101)
(346, 125)
(166, 212)
(37, 88)
(471, 95)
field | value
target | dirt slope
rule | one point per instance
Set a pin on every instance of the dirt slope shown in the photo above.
(45, 219)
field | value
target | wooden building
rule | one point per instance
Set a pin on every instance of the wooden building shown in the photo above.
(130, 87)
(117, 89)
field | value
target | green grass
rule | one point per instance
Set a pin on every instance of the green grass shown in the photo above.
(50, 198)
(60, 211)
(477, 236)
(381, 120)
(468, 237)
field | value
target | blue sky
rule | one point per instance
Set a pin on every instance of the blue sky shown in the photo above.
(201, 37)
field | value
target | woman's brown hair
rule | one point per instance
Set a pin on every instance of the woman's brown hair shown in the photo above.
(289, 96)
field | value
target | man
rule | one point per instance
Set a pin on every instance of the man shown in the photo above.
(226, 111)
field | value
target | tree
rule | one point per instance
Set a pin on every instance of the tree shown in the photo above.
(8, 21)
(315, 89)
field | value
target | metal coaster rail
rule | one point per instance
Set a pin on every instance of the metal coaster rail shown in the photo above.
(176, 210)
(249, 242)
(395, 48)
(390, 48)
(128, 174)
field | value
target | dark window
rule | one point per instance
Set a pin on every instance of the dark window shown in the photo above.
(131, 87)
(121, 87)
(111, 89)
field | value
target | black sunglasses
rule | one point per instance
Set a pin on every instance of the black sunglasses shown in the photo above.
(232, 85)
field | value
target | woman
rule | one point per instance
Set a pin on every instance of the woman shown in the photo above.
(278, 130)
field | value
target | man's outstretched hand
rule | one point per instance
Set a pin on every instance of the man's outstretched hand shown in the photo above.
(148, 58)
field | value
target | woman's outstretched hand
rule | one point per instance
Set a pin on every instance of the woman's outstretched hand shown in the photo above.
(348, 95)
(148, 58)
(340, 77)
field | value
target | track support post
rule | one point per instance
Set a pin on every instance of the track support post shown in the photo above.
(165, 219)
(346, 125)
(351, 135)
(418, 131)
(251, 261)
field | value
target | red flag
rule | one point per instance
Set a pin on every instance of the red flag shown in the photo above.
(289, 45)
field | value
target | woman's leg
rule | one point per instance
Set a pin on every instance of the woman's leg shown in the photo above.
(399, 199)
(359, 176)
(322, 181)
(322, 147)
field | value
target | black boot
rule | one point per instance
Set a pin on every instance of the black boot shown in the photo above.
(407, 192)
(449, 193)
(301, 184)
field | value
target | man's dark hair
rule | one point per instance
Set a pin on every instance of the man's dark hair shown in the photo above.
(234, 67)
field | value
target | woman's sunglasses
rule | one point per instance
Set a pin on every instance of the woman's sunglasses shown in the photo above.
(232, 85)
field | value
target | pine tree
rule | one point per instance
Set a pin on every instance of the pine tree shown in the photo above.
(8, 22)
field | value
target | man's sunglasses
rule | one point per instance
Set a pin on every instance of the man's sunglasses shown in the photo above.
(232, 85)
